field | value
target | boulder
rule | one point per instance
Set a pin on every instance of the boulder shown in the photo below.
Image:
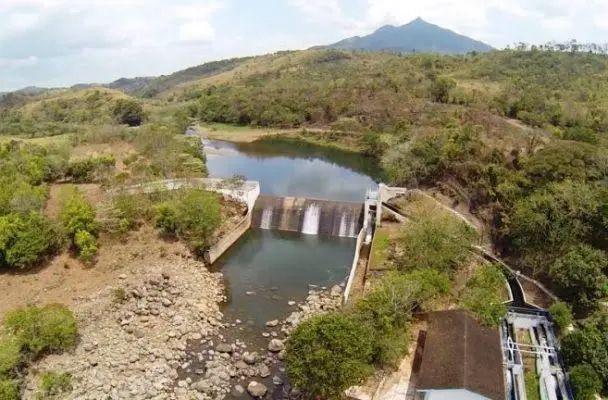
(277, 380)
(264, 371)
(250, 358)
(273, 323)
(257, 389)
(224, 348)
(238, 391)
(276, 345)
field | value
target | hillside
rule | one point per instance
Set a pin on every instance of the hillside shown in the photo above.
(416, 36)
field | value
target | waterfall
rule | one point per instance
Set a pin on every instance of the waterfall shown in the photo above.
(310, 226)
(342, 231)
(266, 218)
(352, 228)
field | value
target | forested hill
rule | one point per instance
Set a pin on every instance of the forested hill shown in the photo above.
(416, 36)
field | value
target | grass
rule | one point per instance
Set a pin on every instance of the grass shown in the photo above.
(380, 246)
(233, 133)
(41, 141)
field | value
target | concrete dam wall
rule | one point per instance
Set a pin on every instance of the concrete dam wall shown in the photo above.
(312, 217)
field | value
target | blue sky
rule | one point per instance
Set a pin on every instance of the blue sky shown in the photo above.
(63, 42)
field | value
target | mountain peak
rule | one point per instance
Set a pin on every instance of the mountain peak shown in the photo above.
(416, 36)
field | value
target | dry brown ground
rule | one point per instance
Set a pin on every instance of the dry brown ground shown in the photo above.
(120, 150)
(64, 278)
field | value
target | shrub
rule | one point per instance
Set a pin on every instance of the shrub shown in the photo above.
(327, 354)
(436, 241)
(89, 169)
(441, 88)
(50, 328)
(87, 246)
(53, 383)
(193, 217)
(10, 354)
(26, 240)
(128, 112)
(587, 346)
(9, 390)
(561, 314)
(76, 214)
(482, 295)
(585, 382)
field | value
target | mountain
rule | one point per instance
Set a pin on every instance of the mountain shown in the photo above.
(417, 36)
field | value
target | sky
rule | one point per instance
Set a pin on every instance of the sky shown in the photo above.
(53, 43)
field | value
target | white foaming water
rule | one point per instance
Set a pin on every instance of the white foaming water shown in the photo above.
(342, 231)
(352, 228)
(266, 218)
(312, 215)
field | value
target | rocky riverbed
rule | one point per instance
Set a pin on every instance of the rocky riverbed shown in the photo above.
(158, 334)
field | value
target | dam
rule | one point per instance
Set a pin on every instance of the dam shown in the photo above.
(308, 216)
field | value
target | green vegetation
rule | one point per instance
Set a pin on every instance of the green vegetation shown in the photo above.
(192, 217)
(53, 383)
(482, 295)
(435, 241)
(532, 385)
(78, 219)
(329, 353)
(585, 382)
(9, 389)
(128, 112)
(561, 315)
(10, 354)
(38, 330)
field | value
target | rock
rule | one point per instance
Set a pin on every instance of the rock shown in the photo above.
(166, 276)
(203, 386)
(166, 302)
(238, 391)
(257, 389)
(250, 358)
(122, 276)
(264, 371)
(224, 348)
(273, 323)
(196, 336)
(336, 291)
(250, 293)
(277, 380)
(241, 365)
(276, 345)
(281, 355)
(266, 334)
(291, 303)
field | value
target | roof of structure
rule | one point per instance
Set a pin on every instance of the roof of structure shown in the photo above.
(460, 353)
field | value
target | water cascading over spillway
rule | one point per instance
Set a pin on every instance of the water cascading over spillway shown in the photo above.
(312, 217)
(266, 218)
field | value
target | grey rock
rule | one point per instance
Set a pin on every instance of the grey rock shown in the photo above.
(277, 380)
(264, 371)
(241, 365)
(256, 389)
(238, 391)
(291, 303)
(273, 323)
(276, 345)
(224, 348)
(203, 386)
(250, 358)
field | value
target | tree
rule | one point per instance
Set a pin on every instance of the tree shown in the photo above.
(128, 111)
(561, 315)
(482, 295)
(437, 241)
(327, 354)
(587, 346)
(440, 89)
(585, 382)
(581, 275)
(389, 307)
